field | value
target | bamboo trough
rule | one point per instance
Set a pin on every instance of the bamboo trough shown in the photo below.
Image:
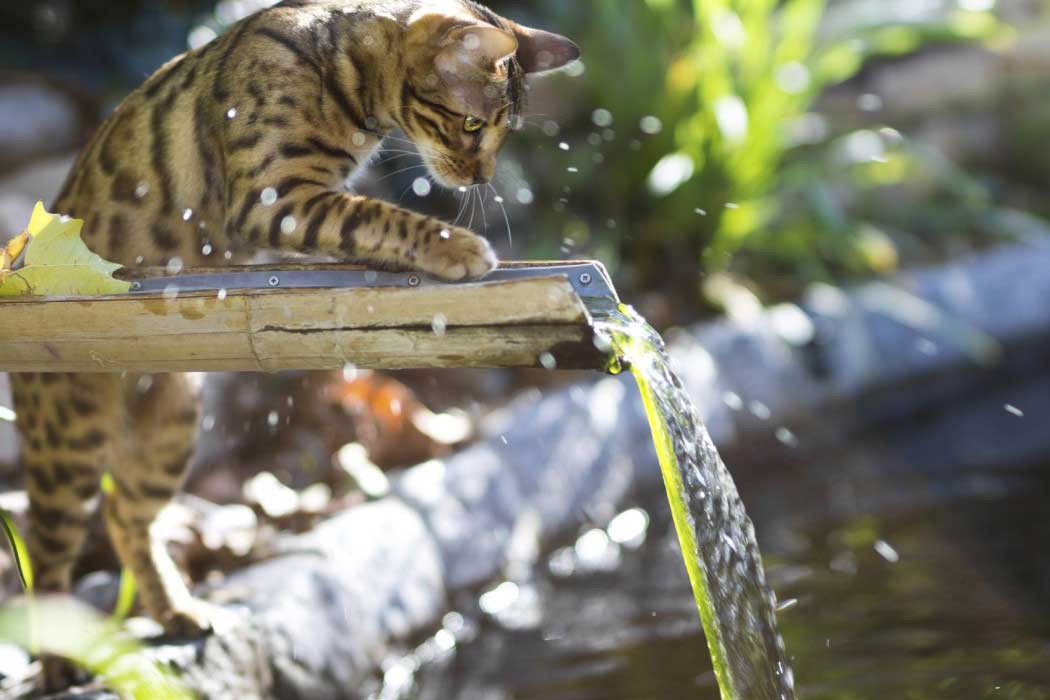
(270, 319)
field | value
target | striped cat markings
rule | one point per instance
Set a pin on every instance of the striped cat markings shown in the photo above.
(242, 145)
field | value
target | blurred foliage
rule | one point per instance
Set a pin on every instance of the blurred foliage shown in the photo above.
(726, 165)
(64, 627)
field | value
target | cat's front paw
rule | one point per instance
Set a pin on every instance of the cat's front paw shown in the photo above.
(458, 254)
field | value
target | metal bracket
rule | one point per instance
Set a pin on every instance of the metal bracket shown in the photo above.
(588, 279)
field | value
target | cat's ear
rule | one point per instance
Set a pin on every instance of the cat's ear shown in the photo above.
(472, 48)
(540, 51)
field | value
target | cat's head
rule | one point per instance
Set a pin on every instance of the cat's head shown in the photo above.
(465, 87)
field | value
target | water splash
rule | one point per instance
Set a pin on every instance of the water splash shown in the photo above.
(737, 607)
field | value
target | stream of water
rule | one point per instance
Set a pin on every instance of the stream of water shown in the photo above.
(737, 607)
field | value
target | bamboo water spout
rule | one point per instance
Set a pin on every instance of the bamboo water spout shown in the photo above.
(312, 317)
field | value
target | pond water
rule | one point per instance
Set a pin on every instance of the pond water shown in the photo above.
(939, 595)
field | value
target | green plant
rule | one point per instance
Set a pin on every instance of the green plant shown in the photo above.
(19, 551)
(717, 160)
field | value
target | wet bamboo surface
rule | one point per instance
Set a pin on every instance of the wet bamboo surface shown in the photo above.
(527, 322)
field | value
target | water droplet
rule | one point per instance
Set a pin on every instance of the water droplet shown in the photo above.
(268, 196)
(651, 125)
(272, 419)
(525, 196)
(358, 139)
(551, 128)
(670, 172)
(869, 102)
(596, 552)
(208, 423)
(288, 225)
(700, 212)
(439, 324)
(421, 187)
(231, 113)
(206, 249)
(498, 199)
(1014, 410)
(350, 372)
(732, 205)
(629, 527)
(792, 77)
(926, 347)
(199, 36)
(446, 234)
(548, 361)
(563, 146)
(222, 294)
(499, 598)
(733, 401)
(139, 260)
(602, 117)
(609, 135)
(887, 552)
(371, 123)
(142, 190)
(471, 42)
(759, 410)
(562, 563)
(573, 169)
(786, 437)
(175, 266)
(228, 255)
(187, 215)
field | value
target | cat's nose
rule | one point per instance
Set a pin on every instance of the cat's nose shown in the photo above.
(479, 177)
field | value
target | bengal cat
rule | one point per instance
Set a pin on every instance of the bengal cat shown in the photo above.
(246, 144)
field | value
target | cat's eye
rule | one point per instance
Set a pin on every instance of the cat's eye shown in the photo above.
(472, 124)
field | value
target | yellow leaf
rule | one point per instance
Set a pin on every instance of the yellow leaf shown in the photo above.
(57, 263)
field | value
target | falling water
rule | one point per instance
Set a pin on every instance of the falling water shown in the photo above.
(717, 537)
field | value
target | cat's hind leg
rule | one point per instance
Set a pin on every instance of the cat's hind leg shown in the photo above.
(68, 424)
(163, 413)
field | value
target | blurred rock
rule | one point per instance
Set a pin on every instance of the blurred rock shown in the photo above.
(41, 118)
(21, 189)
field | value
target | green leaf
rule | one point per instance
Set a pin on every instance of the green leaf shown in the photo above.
(57, 263)
(126, 596)
(18, 550)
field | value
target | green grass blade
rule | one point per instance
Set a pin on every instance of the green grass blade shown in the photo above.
(18, 550)
(126, 595)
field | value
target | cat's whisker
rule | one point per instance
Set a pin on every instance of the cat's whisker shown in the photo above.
(462, 207)
(499, 200)
(481, 200)
(417, 166)
(472, 207)
(391, 159)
